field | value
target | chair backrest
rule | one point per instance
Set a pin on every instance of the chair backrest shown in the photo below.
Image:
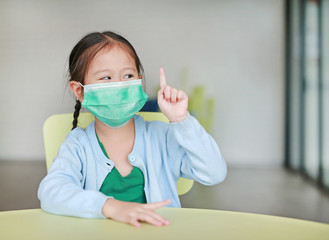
(56, 127)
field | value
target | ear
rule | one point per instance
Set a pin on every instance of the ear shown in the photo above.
(77, 90)
(140, 76)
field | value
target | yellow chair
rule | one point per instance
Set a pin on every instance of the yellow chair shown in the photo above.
(56, 127)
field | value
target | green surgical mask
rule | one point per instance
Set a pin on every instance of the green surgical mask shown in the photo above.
(114, 103)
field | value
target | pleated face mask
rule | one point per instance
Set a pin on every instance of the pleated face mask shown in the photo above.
(114, 103)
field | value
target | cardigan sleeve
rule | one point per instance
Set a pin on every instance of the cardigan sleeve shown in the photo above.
(201, 157)
(61, 191)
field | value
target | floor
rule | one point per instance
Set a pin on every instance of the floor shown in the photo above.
(272, 191)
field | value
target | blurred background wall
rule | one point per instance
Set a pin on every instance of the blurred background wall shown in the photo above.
(235, 49)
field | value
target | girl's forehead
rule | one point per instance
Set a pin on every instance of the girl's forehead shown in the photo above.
(113, 55)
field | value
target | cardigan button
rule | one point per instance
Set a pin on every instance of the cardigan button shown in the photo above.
(132, 158)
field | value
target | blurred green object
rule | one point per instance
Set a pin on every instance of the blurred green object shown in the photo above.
(202, 108)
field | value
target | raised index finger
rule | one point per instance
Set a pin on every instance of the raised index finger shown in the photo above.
(162, 78)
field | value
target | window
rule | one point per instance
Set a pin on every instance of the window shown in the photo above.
(307, 46)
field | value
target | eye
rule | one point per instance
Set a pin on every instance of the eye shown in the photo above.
(127, 76)
(106, 78)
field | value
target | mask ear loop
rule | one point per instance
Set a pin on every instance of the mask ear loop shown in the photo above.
(140, 77)
(76, 98)
(81, 86)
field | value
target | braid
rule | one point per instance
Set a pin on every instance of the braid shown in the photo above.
(76, 114)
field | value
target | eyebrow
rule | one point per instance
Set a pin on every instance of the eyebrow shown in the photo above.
(108, 70)
(102, 70)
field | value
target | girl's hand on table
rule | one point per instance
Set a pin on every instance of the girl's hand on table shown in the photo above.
(172, 102)
(134, 213)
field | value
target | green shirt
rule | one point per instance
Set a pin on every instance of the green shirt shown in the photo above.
(129, 188)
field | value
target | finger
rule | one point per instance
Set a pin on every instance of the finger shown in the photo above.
(181, 95)
(134, 222)
(147, 217)
(166, 92)
(173, 95)
(157, 205)
(161, 93)
(158, 217)
(163, 81)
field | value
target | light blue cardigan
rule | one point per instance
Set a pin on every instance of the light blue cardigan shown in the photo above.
(164, 152)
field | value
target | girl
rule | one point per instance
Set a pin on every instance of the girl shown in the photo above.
(122, 167)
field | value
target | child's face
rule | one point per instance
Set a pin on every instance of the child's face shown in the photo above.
(111, 65)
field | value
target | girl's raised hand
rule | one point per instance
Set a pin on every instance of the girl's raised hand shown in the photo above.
(172, 102)
(134, 213)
